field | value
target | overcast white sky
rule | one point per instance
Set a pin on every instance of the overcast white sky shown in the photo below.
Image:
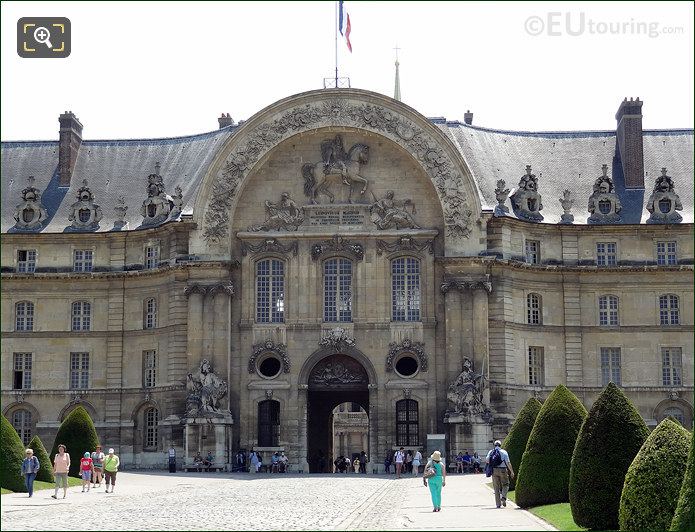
(158, 69)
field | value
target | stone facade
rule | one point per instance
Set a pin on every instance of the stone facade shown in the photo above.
(301, 304)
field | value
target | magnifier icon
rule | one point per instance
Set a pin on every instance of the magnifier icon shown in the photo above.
(42, 35)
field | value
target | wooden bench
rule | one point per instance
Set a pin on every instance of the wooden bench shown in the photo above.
(200, 467)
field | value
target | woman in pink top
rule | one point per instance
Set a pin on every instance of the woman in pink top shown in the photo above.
(61, 466)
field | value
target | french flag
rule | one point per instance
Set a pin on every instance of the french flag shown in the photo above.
(344, 24)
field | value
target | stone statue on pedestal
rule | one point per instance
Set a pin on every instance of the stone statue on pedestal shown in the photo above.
(205, 389)
(466, 392)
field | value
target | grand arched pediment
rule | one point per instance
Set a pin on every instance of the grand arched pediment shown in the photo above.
(342, 108)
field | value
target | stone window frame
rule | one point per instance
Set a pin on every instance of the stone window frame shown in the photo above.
(150, 428)
(76, 374)
(392, 299)
(150, 317)
(285, 270)
(537, 252)
(608, 312)
(606, 254)
(530, 309)
(535, 365)
(87, 267)
(19, 364)
(324, 262)
(151, 261)
(28, 316)
(149, 372)
(81, 316)
(273, 425)
(26, 428)
(402, 405)
(669, 314)
(29, 264)
(671, 373)
(666, 253)
(612, 369)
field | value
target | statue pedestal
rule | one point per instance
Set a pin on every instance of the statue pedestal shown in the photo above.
(209, 434)
(468, 433)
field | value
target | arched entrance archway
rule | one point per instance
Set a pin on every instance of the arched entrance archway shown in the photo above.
(333, 380)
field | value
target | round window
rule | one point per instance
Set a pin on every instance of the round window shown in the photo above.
(269, 367)
(407, 366)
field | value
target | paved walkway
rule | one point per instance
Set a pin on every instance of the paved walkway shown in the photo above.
(211, 501)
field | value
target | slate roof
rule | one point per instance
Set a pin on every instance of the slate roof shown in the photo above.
(562, 160)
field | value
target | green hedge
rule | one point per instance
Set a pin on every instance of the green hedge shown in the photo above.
(515, 442)
(11, 456)
(545, 466)
(45, 473)
(653, 481)
(78, 434)
(608, 441)
(684, 519)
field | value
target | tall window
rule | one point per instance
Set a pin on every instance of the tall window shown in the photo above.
(606, 254)
(82, 260)
(407, 423)
(405, 287)
(270, 291)
(81, 316)
(26, 260)
(533, 251)
(534, 311)
(151, 428)
(535, 366)
(669, 313)
(672, 366)
(149, 377)
(666, 253)
(24, 316)
(269, 423)
(151, 257)
(150, 317)
(610, 365)
(79, 370)
(608, 310)
(337, 290)
(22, 371)
(21, 421)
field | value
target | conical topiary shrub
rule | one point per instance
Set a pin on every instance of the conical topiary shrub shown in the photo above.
(545, 466)
(653, 480)
(45, 473)
(608, 441)
(515, 442)
(12, 453)
(78, 434)
(684, 519)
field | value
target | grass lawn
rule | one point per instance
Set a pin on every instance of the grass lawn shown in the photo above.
(39, 485)
(559, 515)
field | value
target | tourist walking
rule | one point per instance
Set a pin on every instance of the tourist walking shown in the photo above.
(387, 463)
(30, 466)
(172, 460)
(399, 457)
(254, 463)
(356, 464)
(111, 463)
(437, 479)
(61, 467)
(98, 461)
(416, 462)
(363, 462)
(86, 470)
(498, 460)
(408, 462)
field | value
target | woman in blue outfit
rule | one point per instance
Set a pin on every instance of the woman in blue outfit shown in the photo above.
(437, 481)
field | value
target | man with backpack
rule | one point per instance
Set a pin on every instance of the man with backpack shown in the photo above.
(498, 463)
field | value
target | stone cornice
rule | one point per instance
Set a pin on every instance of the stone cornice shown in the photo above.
(467, 282)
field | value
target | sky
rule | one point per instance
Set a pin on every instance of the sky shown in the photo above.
(162, 69)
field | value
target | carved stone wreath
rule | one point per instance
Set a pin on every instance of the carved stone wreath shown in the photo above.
(337, 244)
(405, 243)
(270, 245)
(280, 350)
(406, 346)
(335, 112)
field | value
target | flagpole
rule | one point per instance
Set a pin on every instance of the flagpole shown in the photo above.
(335, 21)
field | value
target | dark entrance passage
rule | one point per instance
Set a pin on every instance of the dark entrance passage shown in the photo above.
(334, 380)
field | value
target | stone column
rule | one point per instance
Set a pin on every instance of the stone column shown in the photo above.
(195, 295)
(481, 360)
(208, 326)
(221, 331)
(302, 464)
(373, 451)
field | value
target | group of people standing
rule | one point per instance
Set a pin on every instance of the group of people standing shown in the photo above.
(407, 462)
(343, 464)
(92, 466)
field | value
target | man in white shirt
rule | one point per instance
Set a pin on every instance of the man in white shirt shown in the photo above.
(398, 458)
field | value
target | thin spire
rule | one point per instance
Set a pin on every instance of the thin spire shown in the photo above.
(397, 85)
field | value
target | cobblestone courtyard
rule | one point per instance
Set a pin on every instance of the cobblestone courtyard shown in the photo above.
(159, 501)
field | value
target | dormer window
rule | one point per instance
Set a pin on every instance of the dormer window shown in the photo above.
(84, 213)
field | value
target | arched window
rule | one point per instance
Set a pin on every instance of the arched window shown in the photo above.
(270, 291)
(608, 310)
(405, 289)
(81, 315)
(676, 413)
(150, 317)
(151, 428)
(21, 421)
(269, 423)
(669, 312)
(337, 290)
(534, 310)
(407, 425)
(24, 316)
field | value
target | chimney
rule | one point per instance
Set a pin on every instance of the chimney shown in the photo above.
(68, 146)
(225, 120)
(468, 118)
(629, 136)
